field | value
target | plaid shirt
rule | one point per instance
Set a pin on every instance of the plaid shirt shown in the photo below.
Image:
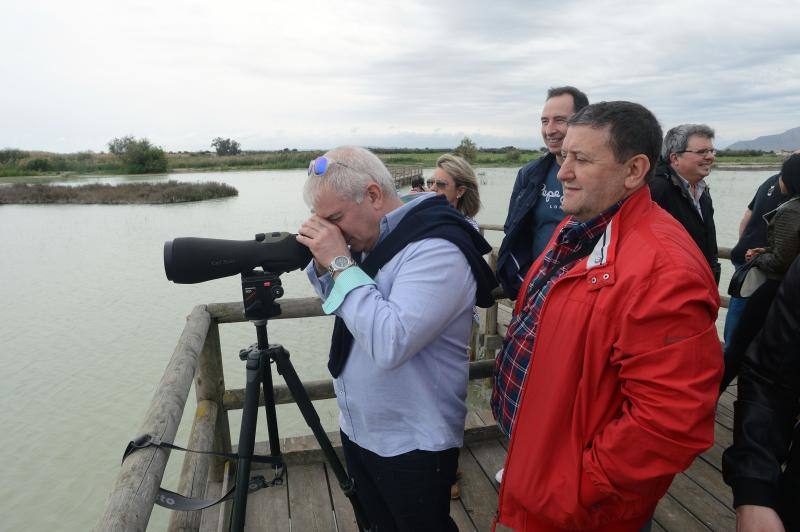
(511, 365)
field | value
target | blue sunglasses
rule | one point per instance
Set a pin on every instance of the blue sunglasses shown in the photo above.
(320, 165)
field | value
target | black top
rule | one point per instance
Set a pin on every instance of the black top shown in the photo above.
(763, 464)
(666, 190)
(767, 198)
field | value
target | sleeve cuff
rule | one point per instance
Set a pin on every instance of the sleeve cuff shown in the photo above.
(347, 281)
(757, 492)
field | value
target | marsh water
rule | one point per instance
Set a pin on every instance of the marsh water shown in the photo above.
(89, 321)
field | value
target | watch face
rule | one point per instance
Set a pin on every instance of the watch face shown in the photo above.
(341, 262)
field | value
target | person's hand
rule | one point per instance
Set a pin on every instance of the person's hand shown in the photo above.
(752, 252)
(325, 241)
(751, 518)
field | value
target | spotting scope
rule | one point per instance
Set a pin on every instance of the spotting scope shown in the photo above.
(196, 260)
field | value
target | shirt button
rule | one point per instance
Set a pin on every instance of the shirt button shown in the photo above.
(606, 276)
(594, 280)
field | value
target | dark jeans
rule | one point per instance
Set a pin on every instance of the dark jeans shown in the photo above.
(747, 328)
(409, 492)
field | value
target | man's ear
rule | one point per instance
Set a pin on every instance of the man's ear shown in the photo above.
(374, 195)
(637, 167)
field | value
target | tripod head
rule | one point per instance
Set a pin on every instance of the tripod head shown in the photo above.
(260, 289)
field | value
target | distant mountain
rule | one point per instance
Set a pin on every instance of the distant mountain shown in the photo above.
(788, 140)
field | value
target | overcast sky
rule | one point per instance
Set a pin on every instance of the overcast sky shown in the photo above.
(274, 74)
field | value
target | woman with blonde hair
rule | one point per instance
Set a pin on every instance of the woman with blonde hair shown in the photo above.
(455, 179)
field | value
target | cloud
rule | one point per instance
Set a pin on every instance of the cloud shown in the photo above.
(185, 72)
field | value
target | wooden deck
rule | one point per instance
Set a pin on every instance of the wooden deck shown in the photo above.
(310, 499)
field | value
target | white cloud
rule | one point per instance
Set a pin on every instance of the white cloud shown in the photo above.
(315, 73)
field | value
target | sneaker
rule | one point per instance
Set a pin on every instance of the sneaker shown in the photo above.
(499, 476)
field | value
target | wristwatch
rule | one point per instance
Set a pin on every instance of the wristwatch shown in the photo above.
(340, 263)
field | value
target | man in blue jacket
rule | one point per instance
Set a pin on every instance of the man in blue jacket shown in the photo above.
(534, 210)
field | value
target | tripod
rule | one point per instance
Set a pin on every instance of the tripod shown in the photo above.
(260, 289)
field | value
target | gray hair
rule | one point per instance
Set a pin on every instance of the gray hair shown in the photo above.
(677, 138)
(463, 176)
(356, 169)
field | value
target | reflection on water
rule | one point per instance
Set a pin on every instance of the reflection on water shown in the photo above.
(89, 322)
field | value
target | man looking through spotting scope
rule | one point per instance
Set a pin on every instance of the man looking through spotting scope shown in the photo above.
(398, 352)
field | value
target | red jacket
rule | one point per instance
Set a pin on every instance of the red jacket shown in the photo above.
(622, 387)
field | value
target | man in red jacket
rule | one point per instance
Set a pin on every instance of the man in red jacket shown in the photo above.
(608, 378)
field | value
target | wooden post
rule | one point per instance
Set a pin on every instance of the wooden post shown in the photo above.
(131, 501)
(210, 385)
(194, 474)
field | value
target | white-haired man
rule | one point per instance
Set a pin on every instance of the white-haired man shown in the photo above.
(398, 352)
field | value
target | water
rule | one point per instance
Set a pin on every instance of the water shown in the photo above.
(89, 322)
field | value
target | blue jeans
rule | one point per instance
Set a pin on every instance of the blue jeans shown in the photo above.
(409, 492)
(735, 309)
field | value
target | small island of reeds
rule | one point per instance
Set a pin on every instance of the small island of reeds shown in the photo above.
(129, 193)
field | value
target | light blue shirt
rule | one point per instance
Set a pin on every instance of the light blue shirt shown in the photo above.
(404, 385)
(699, 188)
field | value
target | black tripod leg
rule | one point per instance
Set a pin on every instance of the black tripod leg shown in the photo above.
(247, 436)
(269, 394)
(286, 369)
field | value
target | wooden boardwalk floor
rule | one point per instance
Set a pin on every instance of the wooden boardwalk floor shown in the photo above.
(310, 499)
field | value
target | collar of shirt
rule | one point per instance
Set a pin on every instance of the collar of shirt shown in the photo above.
(392, 219)
(699, 188)
(577, 232)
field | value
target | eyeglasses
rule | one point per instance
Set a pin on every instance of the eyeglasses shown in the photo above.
(701, 153)
(439, 184)
(320, 165)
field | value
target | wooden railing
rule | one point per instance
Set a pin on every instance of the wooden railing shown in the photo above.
(198, 358)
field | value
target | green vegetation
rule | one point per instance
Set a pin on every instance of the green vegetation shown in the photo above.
(225, 146)
(139, 156)
(139, 193)
(143, 157)
(467, 150)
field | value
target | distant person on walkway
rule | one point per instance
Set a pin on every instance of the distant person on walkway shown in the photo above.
(783, 245)
(679, 186)
(752, 234)
(615, 328)
(763, 464)
(399, 347)
(534, 209)
(418, 185)
(455, 179)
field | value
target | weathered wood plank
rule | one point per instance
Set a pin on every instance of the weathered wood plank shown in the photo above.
(714, 456)
(491, 456)
(268, 509)
(675, 518)
(209, 384)
(478, 495)
(301, 307)
(131, 500)
(723, 435)
(310, 507)
(706, 508)
(194, 473)
(345, 517)
(710, 480)
(209, 518)
(323, 388)
(460, 517)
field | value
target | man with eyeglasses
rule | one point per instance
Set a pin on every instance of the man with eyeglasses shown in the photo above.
(398, 350)
(534, 209)
(679, 186)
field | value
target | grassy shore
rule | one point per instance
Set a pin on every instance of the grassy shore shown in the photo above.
(131, 193)
(22, 167)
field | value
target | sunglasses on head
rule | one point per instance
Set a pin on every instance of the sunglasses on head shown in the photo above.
(320, 165)
(439, 184)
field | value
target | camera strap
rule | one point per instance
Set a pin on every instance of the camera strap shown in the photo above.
(175, 501)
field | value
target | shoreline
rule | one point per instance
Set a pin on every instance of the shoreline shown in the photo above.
(66, 176)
